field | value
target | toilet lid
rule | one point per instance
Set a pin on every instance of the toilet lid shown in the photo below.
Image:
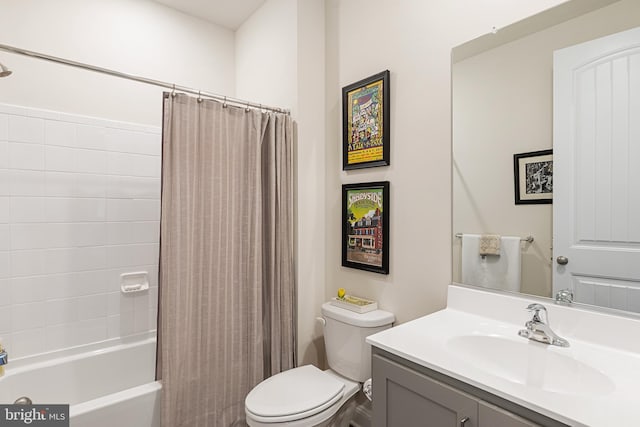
(293, 394)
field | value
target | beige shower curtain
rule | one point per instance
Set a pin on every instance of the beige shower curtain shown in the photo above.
(227, 291)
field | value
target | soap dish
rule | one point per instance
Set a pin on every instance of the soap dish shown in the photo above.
(357, 304)
(134, 282)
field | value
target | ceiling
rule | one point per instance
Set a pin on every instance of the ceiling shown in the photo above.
(228, 14)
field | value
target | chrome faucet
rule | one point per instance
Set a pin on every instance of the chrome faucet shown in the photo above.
(564, 296)
(538, 330)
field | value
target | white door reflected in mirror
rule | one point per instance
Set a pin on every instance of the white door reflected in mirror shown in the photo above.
(597, 187)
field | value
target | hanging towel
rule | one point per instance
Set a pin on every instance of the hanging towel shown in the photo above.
(489, 244)
(495, 272)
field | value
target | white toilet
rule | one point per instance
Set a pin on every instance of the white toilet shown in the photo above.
(306, 396)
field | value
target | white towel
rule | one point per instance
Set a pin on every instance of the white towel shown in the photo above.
(495, 272)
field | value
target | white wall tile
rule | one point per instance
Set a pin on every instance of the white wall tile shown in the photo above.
(57, 235)
(130, 187)
(26, 156)
(28, 316)
(4, 127)
(60, 336)
(91, 161)
(93, 330)
(113, 303)
(26, 209)
(5, 265)
(121, 233)
(6, 298)
(26, 183)
(74, 210)
(92, 137)
(62, 311)
(30, 236)
(5, 237)
(92, 306)
(4, 154)
(4, 209)
(89, 185)
(26, 263)
(60, 261)
(60, 159)
(127, 323)
(133, 210)
(130, 255)
(5, 182)
(60, 184)
(28, 289)
(90, 282)
(126, 141)
(141, 321)
(74, 259)
(133, 165)
(113, 326)
(60, 133)
(26, 129)
(88, 234)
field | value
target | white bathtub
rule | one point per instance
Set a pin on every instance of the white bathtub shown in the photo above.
(114, 386)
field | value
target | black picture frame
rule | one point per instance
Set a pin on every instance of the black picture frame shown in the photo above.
(533, 177)
(365, 226)
(365, 134)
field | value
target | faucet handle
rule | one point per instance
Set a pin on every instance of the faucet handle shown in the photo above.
(536, 309)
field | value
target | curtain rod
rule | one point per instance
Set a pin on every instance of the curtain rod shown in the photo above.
(173, 87)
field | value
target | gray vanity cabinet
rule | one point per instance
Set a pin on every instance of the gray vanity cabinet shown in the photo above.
(409, 395)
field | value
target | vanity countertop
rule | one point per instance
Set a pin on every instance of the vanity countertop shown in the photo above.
(593, 382)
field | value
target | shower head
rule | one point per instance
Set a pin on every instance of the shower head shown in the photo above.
(4, 71)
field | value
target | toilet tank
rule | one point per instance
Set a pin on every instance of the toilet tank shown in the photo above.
(344, 338)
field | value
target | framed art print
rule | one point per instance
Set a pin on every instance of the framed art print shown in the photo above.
(365, 123)
(533, 177)
(365, 226)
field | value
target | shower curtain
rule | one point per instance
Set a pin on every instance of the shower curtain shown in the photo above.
(227, 302)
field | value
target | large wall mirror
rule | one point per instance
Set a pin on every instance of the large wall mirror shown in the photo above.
(503, 106)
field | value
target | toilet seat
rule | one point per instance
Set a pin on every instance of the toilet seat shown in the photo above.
(294, 394)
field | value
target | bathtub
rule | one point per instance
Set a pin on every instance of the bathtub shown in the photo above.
(107, 387)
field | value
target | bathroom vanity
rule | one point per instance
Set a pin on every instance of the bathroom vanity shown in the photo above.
(414, 392)
(466, 366)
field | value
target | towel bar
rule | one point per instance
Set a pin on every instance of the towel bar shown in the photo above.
(528, 239)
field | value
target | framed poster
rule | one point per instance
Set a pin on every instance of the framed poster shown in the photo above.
(365, 226)
(365, 123)
(533, 177)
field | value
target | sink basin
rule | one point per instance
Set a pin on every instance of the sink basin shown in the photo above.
(532, 364)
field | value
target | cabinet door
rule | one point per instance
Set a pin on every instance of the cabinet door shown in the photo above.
(403, 397)
(492, 416)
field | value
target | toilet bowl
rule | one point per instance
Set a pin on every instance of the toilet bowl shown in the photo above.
(309, 397)
(300, 397)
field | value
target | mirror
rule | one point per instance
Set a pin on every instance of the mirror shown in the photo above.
(503, 106)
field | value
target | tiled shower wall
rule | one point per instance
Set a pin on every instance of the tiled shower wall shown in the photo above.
(79, 205)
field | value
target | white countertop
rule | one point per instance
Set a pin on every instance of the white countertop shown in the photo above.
(594, 382)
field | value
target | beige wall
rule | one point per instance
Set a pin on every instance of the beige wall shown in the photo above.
(413, 39)
(280, 61)
(502, 106)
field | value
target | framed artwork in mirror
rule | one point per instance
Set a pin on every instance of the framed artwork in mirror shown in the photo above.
(533, 177)
(365, 226)
(365, 123)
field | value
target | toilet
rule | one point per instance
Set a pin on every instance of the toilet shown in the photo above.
(309, 397)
